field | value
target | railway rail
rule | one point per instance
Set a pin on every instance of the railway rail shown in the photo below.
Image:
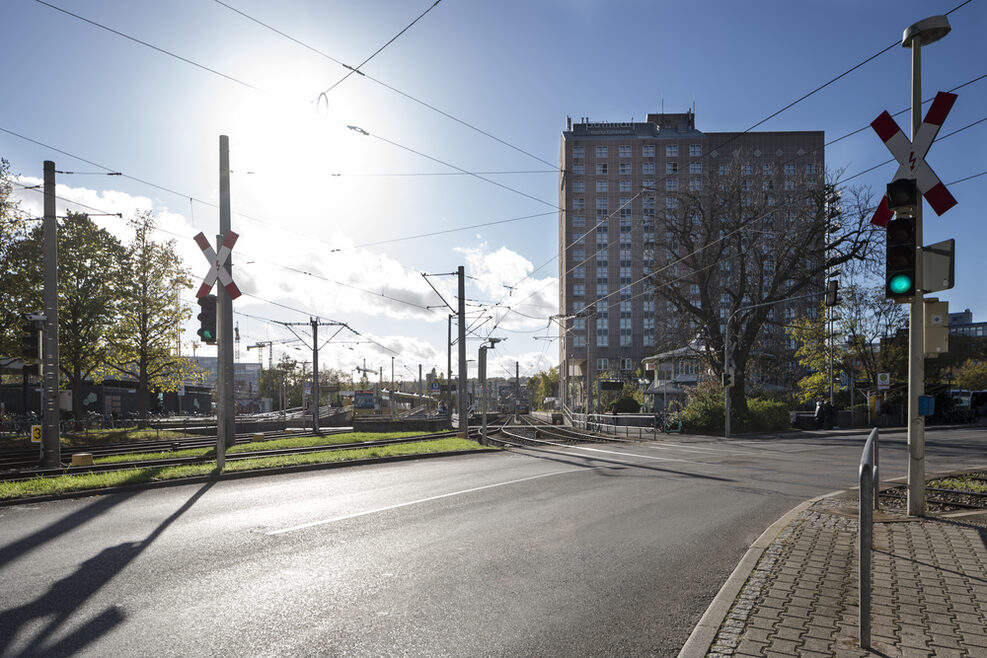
(536, 432)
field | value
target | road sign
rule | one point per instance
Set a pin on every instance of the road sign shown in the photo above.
(911, 156)
(435, 387)
(35, 433)
(883, 381)
(217, 270)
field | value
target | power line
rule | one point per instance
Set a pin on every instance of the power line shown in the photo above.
(152, 46)
(356, 69)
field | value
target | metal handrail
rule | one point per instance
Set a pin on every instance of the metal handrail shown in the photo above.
(869, 480)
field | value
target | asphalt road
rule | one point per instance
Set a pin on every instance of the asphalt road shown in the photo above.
(603, 550)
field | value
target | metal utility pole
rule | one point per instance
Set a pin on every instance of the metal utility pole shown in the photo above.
(225, 404)
(449, 372)
(315, 374)
(915, 36)
(590, 356)
(481, 373)
(391, 396)
(464, 415)
(420, 397)
(517, 389)
(51, 444)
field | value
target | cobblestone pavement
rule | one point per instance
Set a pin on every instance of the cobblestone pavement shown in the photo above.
(929, 593)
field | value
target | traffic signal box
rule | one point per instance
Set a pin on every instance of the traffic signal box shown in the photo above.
(30, 339)
(207, 319)
(902, 253)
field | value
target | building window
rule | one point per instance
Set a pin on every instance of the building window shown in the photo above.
(625, 185)
(789, 169)
(579, 341)
(601, 151)
(579, 221)
(649, 340)
(647, 167)
(695, 184)
(768, 169)
(579, 324)
(625, 339)
(579, 273)
(601, 202)
(602, 341)
(671, 184)
(724, 169)
(624, 151)
(579, 169)
(648, 184)
(695, 167)
(810, 168)
(601, 289)
(579, 203)
(601, 168)
(624, 169)
(579, 290)
(648, 151)
(579, 254)
(695, 150)
(578, 186)
(671, 167)
(578, 152)
(671, 202)
(602, 364)
(601, 186)
(748, 169)
(672, 151)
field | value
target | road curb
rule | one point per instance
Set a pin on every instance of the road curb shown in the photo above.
(704, 633)
(201, 479)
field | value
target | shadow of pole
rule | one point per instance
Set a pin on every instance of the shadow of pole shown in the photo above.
(64, 597)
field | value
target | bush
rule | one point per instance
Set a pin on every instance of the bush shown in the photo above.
(625, 405)
(766, 415)
(703, 410)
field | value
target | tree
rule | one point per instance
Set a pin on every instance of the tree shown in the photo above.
(150, 312)
(972, 376)
(12, 229)
(735, 247)
(90, 262)
(867, 316)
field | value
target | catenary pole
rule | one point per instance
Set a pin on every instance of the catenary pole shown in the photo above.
(464, 415)
(315, 374)
(225, 409)
(51, 442)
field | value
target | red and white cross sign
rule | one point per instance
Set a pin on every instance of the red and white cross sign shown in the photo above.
(217, 260)
(911, 156)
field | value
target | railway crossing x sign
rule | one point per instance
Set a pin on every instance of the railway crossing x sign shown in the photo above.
(217, 270)
(911, 156)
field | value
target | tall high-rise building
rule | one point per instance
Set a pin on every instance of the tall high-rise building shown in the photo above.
(620, 182)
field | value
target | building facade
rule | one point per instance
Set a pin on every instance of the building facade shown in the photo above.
(619, 184)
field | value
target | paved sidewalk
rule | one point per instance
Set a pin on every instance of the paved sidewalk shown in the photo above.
(929, 595)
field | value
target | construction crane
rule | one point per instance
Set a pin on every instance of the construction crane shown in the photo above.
(269, 344)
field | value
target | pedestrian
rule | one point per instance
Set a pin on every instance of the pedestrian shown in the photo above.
(829, 411)
(820, 412)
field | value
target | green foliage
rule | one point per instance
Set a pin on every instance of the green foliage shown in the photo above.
(543, 385)
(703, 410)
(626, 405)
(766, 415)
(972, 375)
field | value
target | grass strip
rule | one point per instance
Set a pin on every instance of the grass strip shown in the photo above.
(962, 483)
(273, 444)
(82, 482)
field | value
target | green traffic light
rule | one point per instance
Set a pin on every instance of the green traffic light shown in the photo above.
(900, 284)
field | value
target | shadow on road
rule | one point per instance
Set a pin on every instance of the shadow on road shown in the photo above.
(592, 462)
(49, 612)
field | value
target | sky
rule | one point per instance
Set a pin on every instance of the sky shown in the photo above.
(443, 151)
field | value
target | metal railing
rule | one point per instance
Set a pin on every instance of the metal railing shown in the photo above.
(869, 481)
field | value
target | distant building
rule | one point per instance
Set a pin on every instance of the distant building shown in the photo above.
(962, 324)
(617, 182)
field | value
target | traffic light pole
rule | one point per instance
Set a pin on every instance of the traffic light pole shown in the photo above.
(916, 324)
(464, 414)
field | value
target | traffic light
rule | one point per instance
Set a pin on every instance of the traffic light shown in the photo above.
(831, 288)
(207, 319)
(901, 256)
(30, 338)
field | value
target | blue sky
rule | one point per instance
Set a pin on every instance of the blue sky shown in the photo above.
(310, 195)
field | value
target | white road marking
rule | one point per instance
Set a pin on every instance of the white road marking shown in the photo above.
(419, 501)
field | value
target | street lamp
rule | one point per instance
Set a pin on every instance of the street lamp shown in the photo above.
(481, 371)
(915, 36)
